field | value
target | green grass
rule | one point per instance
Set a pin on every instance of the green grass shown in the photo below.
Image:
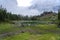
(28, 36)
(22, 36)
(48, 26)
(43, 32)
(7, 27)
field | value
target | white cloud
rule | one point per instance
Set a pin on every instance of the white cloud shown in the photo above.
(15, 6)
(46, 4)
(24, 3)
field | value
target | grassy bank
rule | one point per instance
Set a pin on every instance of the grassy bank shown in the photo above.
(38, 32)
(7, 27)
(28, 36)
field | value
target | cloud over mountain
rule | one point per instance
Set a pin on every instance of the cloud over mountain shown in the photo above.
(36, 8)
(45, 5)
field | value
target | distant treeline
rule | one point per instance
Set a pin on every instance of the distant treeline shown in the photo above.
(59, 15)
(8, 16)
(59, 18)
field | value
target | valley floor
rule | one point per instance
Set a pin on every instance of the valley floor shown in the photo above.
(38, 32)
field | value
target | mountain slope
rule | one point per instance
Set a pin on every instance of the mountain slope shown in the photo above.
(47, 16)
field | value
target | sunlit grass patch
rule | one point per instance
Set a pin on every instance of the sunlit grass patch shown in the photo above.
(21, 36)
(7, 27)
(28, 36)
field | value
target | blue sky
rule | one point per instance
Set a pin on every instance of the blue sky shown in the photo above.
(35, 7)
